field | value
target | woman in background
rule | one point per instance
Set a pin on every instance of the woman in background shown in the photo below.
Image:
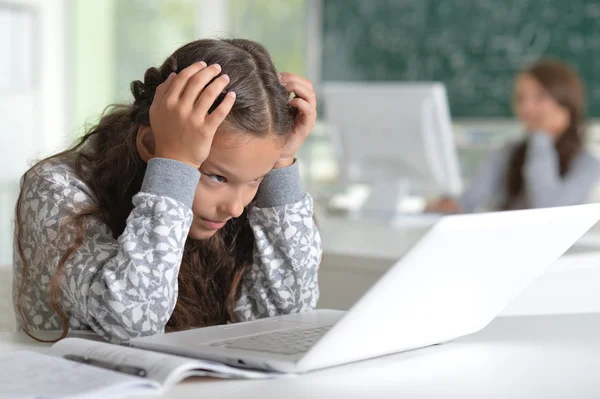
(550, 166)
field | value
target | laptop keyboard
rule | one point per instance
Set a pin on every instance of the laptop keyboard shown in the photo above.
(289, 342)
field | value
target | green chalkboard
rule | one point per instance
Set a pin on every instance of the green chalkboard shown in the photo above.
(474, 46)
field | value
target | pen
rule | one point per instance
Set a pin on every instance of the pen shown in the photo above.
(137, 371)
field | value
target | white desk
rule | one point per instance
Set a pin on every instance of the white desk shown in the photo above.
(514, 357)
(357, 253)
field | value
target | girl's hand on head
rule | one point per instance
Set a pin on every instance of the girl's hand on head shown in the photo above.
(306, 102)
(182, 128)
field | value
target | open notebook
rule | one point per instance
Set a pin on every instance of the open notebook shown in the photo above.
(34, 375)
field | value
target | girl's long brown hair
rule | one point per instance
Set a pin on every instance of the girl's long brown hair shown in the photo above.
(107, 160)
(564, 85)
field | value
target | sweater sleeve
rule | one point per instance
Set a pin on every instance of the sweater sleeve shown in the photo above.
(487, 186)
(287, 253)
(121, 288)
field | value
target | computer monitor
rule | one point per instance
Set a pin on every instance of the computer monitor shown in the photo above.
(395, 137)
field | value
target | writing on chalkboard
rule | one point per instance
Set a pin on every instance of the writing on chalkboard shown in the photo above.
(474, 47)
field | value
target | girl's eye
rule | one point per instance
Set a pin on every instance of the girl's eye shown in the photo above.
(217, 178)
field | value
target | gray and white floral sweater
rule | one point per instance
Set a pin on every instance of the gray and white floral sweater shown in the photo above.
(127, 287)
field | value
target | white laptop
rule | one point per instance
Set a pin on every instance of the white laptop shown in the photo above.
(463, 272)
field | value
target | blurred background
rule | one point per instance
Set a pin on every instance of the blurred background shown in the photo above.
(63, 61)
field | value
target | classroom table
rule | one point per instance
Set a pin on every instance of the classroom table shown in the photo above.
(548, 356)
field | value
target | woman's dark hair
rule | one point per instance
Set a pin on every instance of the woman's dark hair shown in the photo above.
(563, 84)
(107, 160)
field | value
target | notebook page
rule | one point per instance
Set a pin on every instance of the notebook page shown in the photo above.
(158, 366)
(31, 375)
(163, 368)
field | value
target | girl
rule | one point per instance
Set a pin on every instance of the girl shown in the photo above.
(550, 166)
(183, 209)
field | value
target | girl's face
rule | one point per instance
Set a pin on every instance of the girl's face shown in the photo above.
(537, 109)
(230, 178)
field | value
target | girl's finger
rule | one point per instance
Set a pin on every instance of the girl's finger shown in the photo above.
(179, 83)
(214, 120)
(290, 77)
(302, 91)
(161, 91)
(303, 106)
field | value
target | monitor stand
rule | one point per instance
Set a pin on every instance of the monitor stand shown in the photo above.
(388, 202)
(383, 202)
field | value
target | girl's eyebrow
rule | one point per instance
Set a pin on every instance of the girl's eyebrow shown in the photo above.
(224, 172)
